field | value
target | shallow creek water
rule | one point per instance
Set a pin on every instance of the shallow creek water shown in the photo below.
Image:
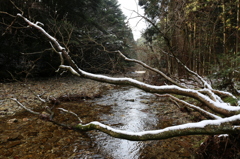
(134, 110)
(129, 112)
(124, 108)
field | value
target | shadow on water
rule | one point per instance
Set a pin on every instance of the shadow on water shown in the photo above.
(127, 113)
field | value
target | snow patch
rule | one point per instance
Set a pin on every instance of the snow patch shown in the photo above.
(140, 72)
(223, 135)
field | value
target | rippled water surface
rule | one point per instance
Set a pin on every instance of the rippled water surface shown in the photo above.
(128, 113)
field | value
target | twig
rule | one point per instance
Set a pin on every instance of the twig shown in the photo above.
(37, 95)
(38, 52)
(70, 112)
(21, 105)
(16, 7)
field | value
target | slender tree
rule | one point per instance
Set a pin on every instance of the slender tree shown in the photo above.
(202, 34)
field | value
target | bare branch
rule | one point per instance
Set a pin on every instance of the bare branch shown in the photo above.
(16, 7)
(37, 95)
(1, 12)
(204, 83)
(70, 112)
(37, 52)
(27, 109)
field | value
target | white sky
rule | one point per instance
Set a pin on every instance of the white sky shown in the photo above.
(136, 23)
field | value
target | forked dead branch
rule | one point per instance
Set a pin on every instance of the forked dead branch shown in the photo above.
(224, 117)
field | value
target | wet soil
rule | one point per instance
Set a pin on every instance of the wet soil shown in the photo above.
(23, 135)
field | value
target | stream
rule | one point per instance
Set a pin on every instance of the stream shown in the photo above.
(128, 113)
(134, 110)
(124, 108)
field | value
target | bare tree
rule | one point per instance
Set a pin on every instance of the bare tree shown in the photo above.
(223, 118)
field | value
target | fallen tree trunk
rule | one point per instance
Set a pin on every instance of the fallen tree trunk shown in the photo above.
(209, 97)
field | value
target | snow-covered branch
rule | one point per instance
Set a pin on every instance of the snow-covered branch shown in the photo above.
(54, 43)
(150, 68)
(216, 106)
(51, 38)
(70, 112)
(69, 68)
(207, 127)
(204, 82)
(207, 96)
(204, 112)
(221, 108)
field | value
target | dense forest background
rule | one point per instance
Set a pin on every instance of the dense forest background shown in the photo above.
(85, 28)
(203, 34)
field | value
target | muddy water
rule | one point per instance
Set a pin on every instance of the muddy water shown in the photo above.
(128, 112)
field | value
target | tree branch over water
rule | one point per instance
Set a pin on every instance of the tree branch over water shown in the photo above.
(209, 97)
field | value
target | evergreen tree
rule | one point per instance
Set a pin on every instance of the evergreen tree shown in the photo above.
(83, 27)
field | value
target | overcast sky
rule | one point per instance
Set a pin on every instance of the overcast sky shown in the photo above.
(137, 25)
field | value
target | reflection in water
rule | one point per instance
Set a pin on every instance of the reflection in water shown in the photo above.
(127, 114)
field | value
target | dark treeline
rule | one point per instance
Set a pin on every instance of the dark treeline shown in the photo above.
(81, 26)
